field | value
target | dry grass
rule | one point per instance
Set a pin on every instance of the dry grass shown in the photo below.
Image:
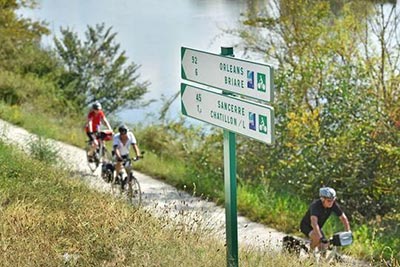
(48, 219)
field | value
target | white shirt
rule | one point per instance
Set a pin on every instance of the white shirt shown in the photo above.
(124, 149)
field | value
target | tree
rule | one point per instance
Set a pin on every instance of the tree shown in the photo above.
(97, 70)
(337, 87)
(17, 34)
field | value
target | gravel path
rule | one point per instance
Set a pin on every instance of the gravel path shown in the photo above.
(159, 198)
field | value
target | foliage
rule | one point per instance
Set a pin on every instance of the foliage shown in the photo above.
(198, 151)
(336, 94)
(335, 105)
(45, 123)
(97, 70)
(42, 149)
(28, 73)
(17, 33)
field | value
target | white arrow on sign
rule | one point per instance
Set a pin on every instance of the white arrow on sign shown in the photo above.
(238, 76)
(237, 115)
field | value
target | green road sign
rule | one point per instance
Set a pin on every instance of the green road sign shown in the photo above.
(237, 115)
(238, 76)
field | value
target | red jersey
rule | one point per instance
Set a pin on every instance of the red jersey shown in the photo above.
(96, 120)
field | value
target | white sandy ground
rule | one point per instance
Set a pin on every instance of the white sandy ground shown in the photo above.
(159, 198)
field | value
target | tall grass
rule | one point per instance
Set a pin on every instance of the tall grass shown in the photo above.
(42, 149)
(49, 219)
(64, 128)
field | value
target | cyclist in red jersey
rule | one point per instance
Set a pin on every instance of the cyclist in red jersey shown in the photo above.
(94, 119)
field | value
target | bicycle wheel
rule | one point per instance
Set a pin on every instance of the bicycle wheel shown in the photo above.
(106, 156)
(91, 161)
(133, 192)
(116, 182)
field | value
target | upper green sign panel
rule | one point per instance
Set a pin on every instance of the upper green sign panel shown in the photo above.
(237, 76)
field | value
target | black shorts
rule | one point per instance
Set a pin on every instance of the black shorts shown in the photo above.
(123, 158)
(305, 229)
(90, 135)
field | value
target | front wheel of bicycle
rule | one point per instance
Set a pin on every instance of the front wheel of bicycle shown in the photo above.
(133, 191)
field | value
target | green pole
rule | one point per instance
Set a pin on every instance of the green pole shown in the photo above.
(230, 189)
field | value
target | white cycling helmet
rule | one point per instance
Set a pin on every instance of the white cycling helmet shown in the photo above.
(327, 192)
(96, 105)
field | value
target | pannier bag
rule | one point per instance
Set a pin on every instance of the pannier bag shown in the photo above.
(342, 239)
(106, 135)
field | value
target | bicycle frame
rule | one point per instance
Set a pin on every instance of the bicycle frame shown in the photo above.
(295, 245)
(129, 185)
(332, 253)
(101, 154)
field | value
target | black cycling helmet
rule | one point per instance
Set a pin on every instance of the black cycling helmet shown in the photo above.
(96, 105)
(123, 129)
(327, 192)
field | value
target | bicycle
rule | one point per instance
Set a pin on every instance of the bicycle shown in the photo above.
(330, 255)
(101, 155)
(336, 242)
(127, 182)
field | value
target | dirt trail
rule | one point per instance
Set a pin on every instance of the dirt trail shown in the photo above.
(159, 198)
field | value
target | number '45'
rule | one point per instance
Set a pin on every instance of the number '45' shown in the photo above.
(198, 97)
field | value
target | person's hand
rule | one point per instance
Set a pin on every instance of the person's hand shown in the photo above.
(323, 240)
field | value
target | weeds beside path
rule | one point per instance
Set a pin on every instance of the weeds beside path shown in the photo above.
(159, 198)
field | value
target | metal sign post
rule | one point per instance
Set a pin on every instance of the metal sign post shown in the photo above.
(230, 190)
(232, 113)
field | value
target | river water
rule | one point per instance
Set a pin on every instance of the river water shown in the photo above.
(152, 33)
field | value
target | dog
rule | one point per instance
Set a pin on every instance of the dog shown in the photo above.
(293, 245)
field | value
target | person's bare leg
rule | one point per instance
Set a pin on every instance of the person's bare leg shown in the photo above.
(314, 238)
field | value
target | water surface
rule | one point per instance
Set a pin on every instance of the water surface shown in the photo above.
(152, 33)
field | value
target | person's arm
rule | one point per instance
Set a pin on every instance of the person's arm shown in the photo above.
(137, 150)
(315, 226)
(117, 152)
(345, 221)
(90, 125)
(107, 123)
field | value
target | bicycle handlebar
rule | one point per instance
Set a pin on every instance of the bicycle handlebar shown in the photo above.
(128, 159)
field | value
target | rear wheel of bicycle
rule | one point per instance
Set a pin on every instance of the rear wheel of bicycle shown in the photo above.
(91, 161)
(133, 191)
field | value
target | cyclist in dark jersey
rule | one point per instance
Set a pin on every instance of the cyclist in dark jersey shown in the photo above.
(317, 214)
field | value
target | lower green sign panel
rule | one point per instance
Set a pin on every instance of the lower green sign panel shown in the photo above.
(231, 113)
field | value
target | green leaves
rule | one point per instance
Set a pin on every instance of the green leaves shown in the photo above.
(336, 83)
(97, 70)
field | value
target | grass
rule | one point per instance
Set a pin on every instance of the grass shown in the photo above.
(278, 210)
(49, 219)
(63, 128)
